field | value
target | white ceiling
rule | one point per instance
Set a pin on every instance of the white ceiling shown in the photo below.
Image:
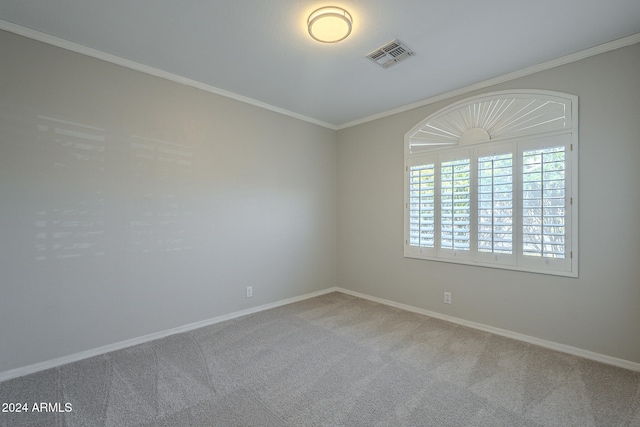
(261, 49)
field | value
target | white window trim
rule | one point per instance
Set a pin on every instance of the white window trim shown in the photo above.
(469, 126)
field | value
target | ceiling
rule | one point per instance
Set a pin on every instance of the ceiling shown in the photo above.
(261, 50)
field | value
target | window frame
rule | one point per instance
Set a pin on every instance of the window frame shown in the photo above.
(474, 149)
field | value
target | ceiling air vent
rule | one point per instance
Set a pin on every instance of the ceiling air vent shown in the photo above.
(390, 54)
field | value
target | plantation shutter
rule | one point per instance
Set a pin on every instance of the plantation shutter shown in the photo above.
(495, 203)
(492, 181)
(422, 205)
(455, 204)
(543, 202)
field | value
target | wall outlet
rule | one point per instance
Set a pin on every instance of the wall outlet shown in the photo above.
(447, 297)
(249, 291)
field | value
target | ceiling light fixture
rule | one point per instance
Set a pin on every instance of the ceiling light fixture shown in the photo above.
(329, 24)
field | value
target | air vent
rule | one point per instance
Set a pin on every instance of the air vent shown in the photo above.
(390, 54)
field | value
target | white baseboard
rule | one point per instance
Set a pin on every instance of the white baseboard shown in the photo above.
(609, 360)
(59, 361)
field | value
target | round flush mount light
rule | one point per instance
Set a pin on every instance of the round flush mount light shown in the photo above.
(329, 24)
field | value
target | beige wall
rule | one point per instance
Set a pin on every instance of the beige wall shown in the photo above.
(131, 205)
(599, 311)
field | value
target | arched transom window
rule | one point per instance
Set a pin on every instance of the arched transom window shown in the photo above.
(492, 181)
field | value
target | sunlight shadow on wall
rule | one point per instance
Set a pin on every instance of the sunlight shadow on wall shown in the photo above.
(161, 180)
(74, 226)
(78, 213)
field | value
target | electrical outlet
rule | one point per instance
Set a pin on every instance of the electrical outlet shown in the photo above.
(447, 297)
(249, 291)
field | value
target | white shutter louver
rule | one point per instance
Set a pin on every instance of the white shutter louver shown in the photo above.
(543, 202)
(455, 204)
(495, 204)
(422, 205)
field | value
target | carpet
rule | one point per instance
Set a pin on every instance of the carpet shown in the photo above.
(332, 360)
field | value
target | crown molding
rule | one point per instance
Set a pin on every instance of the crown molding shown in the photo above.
(596, 50)
(95, 53)
(98, 54)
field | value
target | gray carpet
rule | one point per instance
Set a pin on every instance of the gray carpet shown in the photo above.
(334, 360)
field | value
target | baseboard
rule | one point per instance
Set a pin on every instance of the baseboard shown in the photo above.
(609, 360)
(59, 361)
(53, 363)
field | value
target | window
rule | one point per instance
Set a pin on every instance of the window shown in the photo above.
(495, 204)
(492, 181)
